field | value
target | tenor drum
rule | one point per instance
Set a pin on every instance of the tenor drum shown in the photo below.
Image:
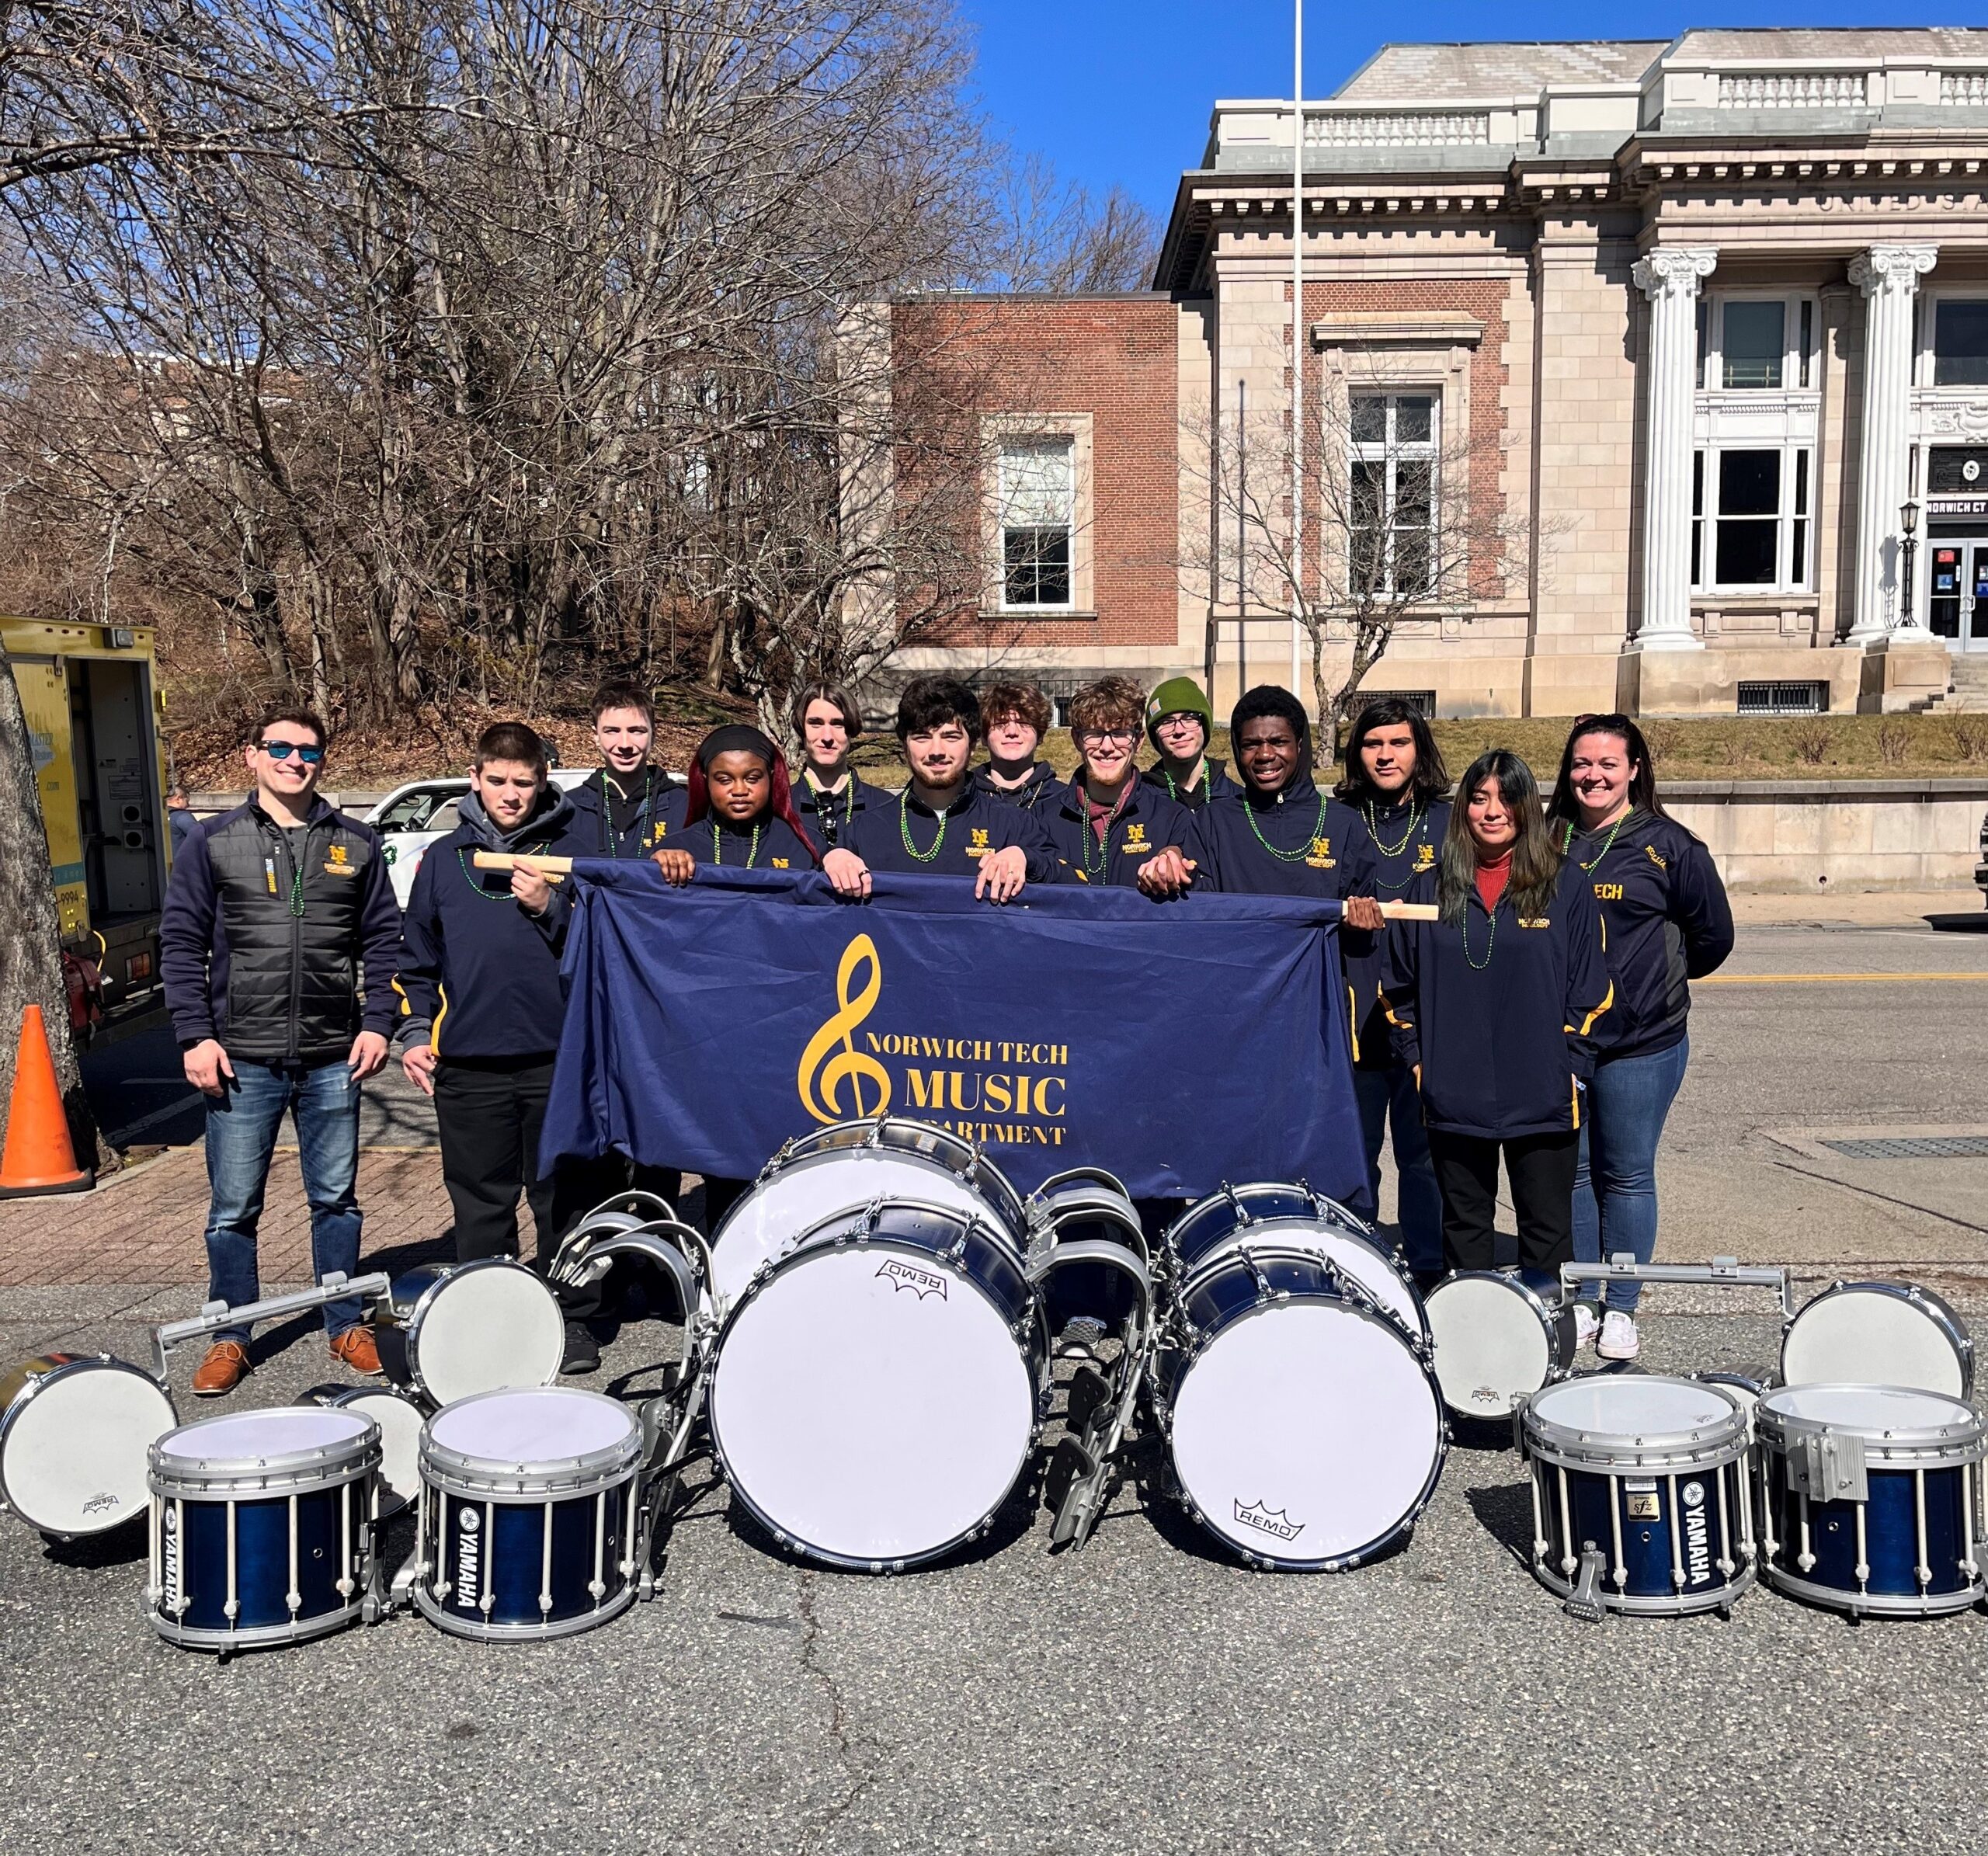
(1499, 1335)
(452, 1330)
(1871, 1498)
(1292, 1217)
(259, 1527)
(846, 1167)
(528, 1514)
(74, 1430)
(877, 1389)
(1878, 1333)
(1650, 1477)
(400, 1420)
(1305, 1427)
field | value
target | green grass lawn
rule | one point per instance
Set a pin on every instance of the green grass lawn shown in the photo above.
(1788, 748)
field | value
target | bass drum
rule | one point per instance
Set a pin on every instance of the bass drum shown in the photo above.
(1499, 1335)
(846, 1167)
(1305, 1427)
(75, 1433)
(876, 1390)
(1878, 1333)
(1292, 1217)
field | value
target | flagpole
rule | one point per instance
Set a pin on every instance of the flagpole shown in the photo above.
(1297, 339)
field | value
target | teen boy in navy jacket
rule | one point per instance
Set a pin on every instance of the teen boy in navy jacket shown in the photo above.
(1113, 819)
(479, 974)
(1497, 1008)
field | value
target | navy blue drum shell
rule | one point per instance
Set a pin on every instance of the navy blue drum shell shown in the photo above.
(513, 1548)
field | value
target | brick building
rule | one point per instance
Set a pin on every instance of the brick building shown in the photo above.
(1644, 373)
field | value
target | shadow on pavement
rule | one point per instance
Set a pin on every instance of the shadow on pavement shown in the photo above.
(1974, 922)
(1504, 1511)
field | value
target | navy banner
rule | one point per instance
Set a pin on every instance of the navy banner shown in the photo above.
(1176, 1045)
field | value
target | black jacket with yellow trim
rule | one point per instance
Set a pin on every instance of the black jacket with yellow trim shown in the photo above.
(1503, 1015)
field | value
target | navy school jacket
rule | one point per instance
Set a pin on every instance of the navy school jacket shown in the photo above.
(828, 815)
(1041, 793)
(1500, 1044)
(974, 825)
(1296, 844)
(1393, 847)
(479, 976)
(769, 845)
(1146, 823)
(1215, 784)
(629, 822)
(1668, 922)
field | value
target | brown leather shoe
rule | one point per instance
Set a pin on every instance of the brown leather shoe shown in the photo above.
(225, 1368)
(354, 1348)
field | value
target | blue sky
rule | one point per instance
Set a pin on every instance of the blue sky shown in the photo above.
(1118, 91)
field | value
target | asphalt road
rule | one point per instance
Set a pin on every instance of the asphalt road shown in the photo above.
(1146, 1694)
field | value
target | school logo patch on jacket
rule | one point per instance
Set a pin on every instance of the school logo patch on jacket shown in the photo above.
(1535, 921)
(977, 844)
(1425, 859)
(1322, 857)
(1655, 856)
(1136, 837)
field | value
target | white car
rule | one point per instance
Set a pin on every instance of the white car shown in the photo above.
(412, 817)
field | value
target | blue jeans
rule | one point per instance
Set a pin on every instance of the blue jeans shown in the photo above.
(1615, 1183)
(1390, 1095)
(242, 1126)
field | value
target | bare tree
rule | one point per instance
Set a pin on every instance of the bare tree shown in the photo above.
(1405, 525)
(1053, 236)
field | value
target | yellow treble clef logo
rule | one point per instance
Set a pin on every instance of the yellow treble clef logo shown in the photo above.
(818, 1070)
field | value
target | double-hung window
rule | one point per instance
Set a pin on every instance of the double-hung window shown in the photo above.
(1758, 344)
(1392, 510)
(1038, 516)
(1960, 342)
(1751, 526)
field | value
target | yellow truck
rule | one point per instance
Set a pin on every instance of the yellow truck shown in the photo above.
(94, 714)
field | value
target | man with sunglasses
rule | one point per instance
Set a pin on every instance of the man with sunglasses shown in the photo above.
(277, 913)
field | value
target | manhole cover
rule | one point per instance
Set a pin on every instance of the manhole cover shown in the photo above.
(1929, 1147)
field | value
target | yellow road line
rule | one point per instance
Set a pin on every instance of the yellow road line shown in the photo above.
(1828, 979)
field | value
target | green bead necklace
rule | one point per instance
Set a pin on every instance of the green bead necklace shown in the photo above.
(717, 844)
(469, 876)
(1390, 851)
(1608, 844)
(1287, 857)
(904, 830)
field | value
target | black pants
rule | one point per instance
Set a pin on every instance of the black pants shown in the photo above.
(1542, 1170)
(489, 1115)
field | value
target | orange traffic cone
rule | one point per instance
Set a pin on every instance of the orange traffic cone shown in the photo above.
(38, 1157)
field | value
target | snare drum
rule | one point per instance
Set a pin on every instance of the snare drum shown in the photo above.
(1292, 1217)
(1878, 1333)
(452, 1330)
(259, 1533)
(400, 1420)
(528, 1513)
(1871, 1498)
(1650, 1477)
(843, 1169)
(1499, 1335)
(74, 1432)
(1305, 1427)
(877, 1389)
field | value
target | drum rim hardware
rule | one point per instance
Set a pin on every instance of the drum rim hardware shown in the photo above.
(64, 1364)
(1934, 1307)
(1578, 1448)
(289, 1472)
(469, 1476)
(819, 1143)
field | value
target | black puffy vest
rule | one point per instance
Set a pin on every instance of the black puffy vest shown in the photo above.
(292, 980)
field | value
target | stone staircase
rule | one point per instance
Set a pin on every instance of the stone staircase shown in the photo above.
(1967, 687)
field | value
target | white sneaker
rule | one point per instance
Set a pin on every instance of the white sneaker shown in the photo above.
(1586, 1324)
(1618, 1339)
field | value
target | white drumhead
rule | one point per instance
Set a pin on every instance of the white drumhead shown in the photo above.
(778, 1210)
(487, 1330)
(1360, 1261)
(1491, 1349)
(400, 1422)
(1305, 1431)
(1859, 1336)
(869, 1420)
(75, 1459)
(1868, 1408)
(261, 1436)
(1630, 1405)
(536, 1424)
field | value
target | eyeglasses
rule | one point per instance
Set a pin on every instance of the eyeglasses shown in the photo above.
(1103, 734)
(281, 750)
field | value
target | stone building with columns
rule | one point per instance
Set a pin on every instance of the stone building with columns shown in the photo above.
(1702, 325)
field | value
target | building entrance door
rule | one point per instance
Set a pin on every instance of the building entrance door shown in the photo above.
(1957, 592)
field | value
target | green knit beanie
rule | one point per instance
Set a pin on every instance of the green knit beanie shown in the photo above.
(1176, 695)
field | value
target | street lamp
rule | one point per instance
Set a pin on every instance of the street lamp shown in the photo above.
(1908, 521)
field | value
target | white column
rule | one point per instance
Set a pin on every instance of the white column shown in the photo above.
(1671, 277)
(1889, 275)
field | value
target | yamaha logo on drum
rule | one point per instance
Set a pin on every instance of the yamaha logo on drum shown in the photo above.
(1268, 1521)
(901, 1275)
(1697, 1539)
(469, 1561)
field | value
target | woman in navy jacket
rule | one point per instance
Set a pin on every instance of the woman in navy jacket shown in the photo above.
(1668, 924)
(1495, 1006)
